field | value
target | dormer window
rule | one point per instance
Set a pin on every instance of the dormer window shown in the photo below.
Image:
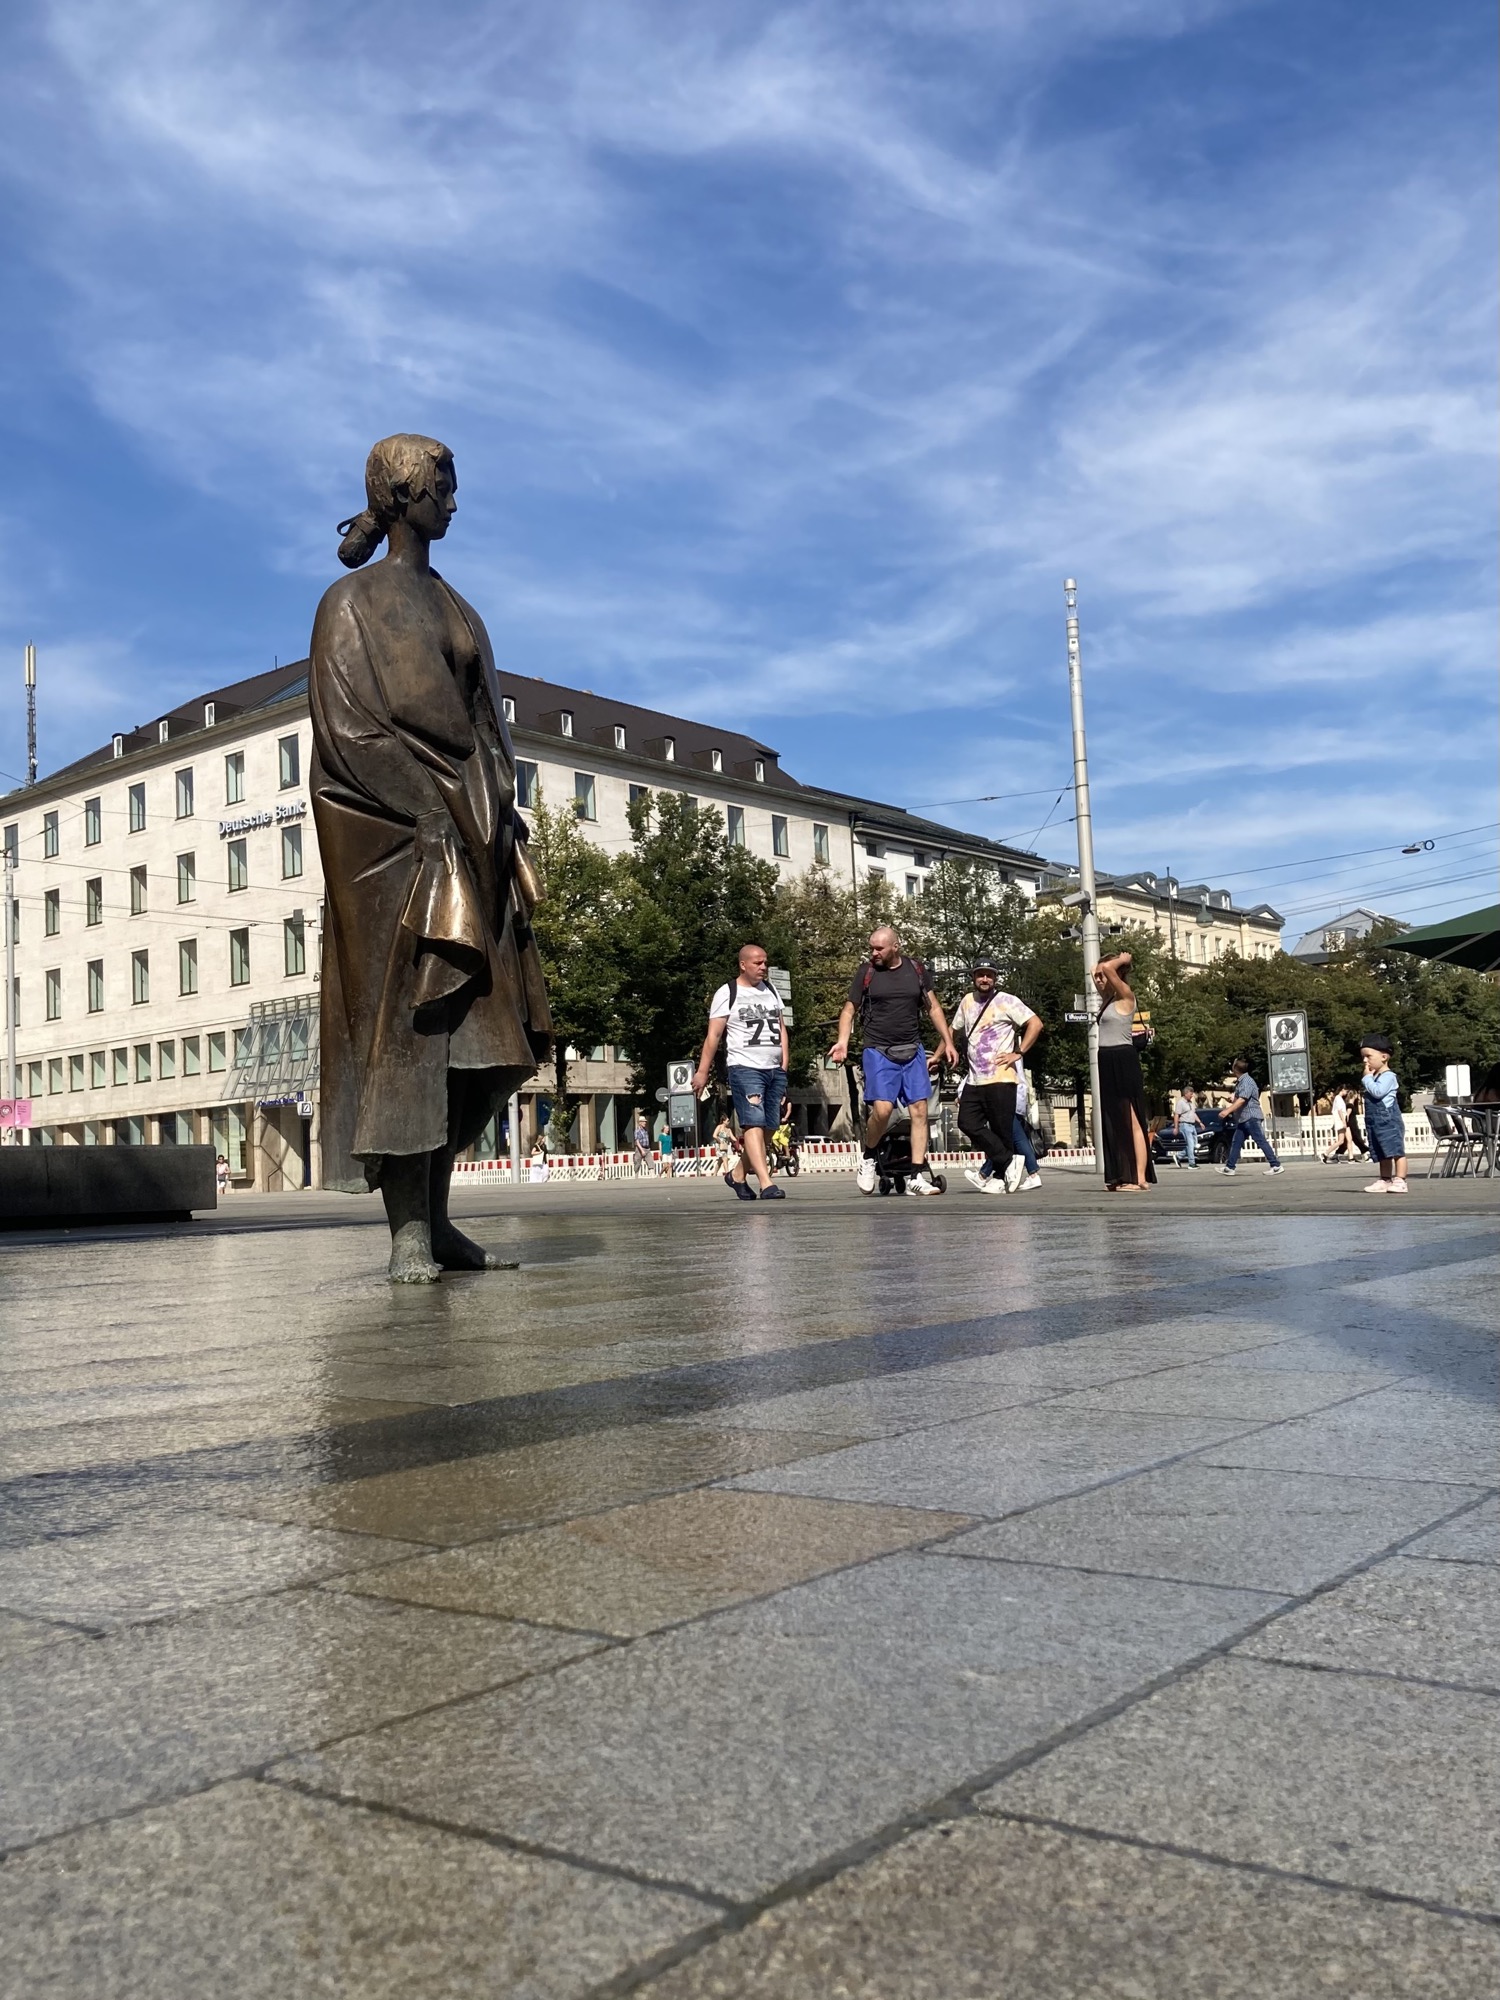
(565, 722)
(119, 746)
(163, 730)
(716, 760)
(507, 708)
(760, 770)
(619, 736)
(669, 749)
(208, 715)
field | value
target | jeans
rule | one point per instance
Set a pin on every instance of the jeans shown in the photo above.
(1189, 1135)
(1249, 1128)
(987, 1115)
(1020, 1139)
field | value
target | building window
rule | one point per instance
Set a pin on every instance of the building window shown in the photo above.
(296, 1038)
(619, 736)
(138, 891)
(913, 886)
(54, 1076)
(187, 965)
(15, 920)
(93, 823)
(565, 721)
(820, 844)
(239, 866)
(294, 945)
(121, 1065)
(760, 770)
(52, 985)
(583, 795)
(716, 760)
(270, 1042)
(130, 1131)
(49, 835)
(191, 1055)
(184, 794)
(234, 778)
(140, 978)
(52, 912)
(289, 762)
(13, 842)
(528, 783)
(669, 749)
(187, 877)
(639, 792)
(33, 1079)
(96, 1069)
(137, 804)
(93, 900)
(291, 852)
(780, 843)
(166, 1060)
(96, 985)
(75, 1072)
(239, 958)
(143, 1062)
(736, 818)
(216, 1057)
(875, 874)
(244, 1047)
(507, 708)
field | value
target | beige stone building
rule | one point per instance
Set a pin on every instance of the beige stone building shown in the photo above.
(1196, 923)
(168, 893)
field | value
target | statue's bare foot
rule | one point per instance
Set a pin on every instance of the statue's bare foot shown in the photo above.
(457, 1252)
(411, 1256)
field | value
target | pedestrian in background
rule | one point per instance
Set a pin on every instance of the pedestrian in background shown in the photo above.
(746, 1014)
(1187, 1124)
(640, 1146)
(1122, 1088)
(1245, 1112)
(1383, 1120)
(1343, 1140)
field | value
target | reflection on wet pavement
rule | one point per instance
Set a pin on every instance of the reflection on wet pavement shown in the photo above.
(541, 1630)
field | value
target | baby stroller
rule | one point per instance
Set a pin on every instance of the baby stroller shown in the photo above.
(893, 1166)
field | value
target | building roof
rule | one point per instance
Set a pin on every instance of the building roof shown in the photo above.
(1358, 923)
(540, 708)
(1157, 889)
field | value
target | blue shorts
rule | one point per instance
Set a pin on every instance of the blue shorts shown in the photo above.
(757, 1095)
(888, 1082)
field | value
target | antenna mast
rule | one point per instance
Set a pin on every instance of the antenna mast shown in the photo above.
(31, 715)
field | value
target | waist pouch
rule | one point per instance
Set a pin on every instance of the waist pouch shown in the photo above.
(901, 1053)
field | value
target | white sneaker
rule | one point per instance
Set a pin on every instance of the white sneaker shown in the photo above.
(922, 1183)
(995, 1184)
(865, 1176)
(1398, 1187)
(1015, 1173)
(1228, 1170)
(1031, 1181)
(975, 1178)
(1377, 1187)
(1275, 1170)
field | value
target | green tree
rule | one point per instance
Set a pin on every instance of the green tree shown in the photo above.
(578, 925)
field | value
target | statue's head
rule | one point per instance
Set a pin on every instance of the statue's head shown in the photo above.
(407, 478)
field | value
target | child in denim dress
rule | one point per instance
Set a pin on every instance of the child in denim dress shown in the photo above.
(1383, 1122)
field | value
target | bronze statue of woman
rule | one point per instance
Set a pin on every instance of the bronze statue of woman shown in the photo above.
(434, 1009)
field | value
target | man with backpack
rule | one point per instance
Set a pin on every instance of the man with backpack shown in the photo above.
(747, 1016)
(985, 1027)
(888, 994)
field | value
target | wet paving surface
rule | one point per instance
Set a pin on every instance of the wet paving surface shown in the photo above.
(890, 1599)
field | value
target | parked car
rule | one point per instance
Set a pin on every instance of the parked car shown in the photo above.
(1213, 1139)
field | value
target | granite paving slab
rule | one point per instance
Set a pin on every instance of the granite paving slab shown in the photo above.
(995, 1463)
(25, 1635)
(731, 1753)
(1221, 1391)
(471, 1499)
(1277, 1531)
(1474, 1538)
(157, 1562)
(1386, 1434)
(1380, 1784)
(639, 1568)
(1435, 1621)
(71, 1447)
(103, 1724)
(885, 1405)
(996, 1910)
(1320, 1353)
(253, 1892)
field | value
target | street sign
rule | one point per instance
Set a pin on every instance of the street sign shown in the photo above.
(1076, 1020)
(682, 1111)
(1290, 1057)
(780, 982)
(662, 1096)
(680, 1075)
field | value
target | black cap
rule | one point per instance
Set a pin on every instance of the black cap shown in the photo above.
(1380, 1043)
(982, 964)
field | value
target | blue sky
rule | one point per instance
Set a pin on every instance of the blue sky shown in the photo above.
(791, 358)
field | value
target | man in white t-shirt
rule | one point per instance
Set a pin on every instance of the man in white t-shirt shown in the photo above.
(995, 1030)
(746, 1014)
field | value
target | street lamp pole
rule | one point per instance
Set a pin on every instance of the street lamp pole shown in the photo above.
(1089, 924)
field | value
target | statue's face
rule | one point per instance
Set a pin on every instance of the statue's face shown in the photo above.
(429, 513)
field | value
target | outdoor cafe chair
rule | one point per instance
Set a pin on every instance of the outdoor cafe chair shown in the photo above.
(1453, 1142)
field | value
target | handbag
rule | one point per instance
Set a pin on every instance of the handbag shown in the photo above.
(1142, 1034)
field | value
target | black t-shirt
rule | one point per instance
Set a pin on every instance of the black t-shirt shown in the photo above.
(892, 1002)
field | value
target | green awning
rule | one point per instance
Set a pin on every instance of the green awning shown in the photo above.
(1473, 940)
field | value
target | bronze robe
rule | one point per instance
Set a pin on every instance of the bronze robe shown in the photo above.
(429, 965)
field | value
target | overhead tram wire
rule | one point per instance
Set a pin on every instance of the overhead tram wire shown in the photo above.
(1353, 854)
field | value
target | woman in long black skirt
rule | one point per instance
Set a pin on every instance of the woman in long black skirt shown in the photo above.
(1122, 1090)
